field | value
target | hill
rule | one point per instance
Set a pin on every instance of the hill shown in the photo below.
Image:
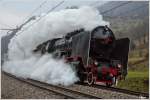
(130, 20)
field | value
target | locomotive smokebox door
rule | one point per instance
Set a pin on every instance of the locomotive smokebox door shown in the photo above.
(120, 52)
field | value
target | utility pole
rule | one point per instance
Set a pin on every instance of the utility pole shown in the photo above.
(6, 39)
(19, 28)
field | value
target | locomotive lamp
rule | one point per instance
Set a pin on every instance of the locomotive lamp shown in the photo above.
(119, 66)
(96, 63)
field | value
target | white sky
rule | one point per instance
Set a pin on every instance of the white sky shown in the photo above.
(13, 12)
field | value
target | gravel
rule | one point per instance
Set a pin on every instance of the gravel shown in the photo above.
(105, 94)
(14, 89)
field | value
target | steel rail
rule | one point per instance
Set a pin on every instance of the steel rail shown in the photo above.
(79, 94)
(35, 85)
(68, 93)
(130, 92)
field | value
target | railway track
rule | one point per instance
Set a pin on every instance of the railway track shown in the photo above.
(139, 94)
(67, 93)
(75, 94)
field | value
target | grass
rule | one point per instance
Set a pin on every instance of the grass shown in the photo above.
(136, 81)
(142, 66)
(138, 74)
(135, 74)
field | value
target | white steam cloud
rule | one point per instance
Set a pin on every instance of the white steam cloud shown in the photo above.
(23, 63)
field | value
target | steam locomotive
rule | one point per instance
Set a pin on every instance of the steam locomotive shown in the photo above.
(96, 56)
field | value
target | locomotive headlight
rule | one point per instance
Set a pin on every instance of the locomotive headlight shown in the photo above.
(119, 65)
(96, 63)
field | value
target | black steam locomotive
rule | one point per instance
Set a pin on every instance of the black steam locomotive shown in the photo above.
(97, 56)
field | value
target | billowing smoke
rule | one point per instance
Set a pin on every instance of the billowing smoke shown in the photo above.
(22, 62)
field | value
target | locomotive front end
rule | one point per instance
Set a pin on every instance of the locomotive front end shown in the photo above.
(105, 67)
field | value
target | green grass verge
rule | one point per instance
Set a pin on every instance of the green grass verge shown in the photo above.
(136, 81)
(138, 74)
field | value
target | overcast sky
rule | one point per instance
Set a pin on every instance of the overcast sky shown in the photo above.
(13, 12)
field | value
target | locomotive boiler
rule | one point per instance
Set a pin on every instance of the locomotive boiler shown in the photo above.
(96, 55)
